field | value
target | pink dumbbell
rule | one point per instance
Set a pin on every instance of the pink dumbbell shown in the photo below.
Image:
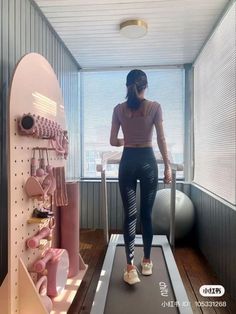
(40, 265)
(34, 242)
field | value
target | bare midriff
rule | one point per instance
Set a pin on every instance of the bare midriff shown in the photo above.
(149, 144)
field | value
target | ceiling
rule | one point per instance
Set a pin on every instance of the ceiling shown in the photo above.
(177, 29)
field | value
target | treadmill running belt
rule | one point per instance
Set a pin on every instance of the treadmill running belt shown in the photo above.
(154, 294)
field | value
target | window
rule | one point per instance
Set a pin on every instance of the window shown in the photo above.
(103, 90)
(72, 113)
(215, 112)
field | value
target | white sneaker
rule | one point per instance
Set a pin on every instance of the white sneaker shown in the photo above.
(146, 268)
(131, 277)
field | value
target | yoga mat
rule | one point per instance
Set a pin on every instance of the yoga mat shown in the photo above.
(70, 227)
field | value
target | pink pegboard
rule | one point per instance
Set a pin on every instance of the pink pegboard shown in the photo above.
(34, 89)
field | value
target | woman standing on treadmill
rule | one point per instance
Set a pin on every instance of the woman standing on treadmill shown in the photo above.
(137, 118)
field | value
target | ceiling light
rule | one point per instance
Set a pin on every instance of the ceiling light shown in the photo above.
(133, 28)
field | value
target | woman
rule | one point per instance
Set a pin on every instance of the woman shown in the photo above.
(137, 117)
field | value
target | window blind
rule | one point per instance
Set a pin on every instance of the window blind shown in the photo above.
(103, 90)
(215, 111)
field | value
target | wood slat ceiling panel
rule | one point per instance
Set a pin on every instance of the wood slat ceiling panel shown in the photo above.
(177, 29)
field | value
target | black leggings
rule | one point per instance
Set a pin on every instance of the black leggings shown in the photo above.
(138, 164)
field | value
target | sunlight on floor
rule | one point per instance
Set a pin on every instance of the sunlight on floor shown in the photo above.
(99, 285)
(62, 302)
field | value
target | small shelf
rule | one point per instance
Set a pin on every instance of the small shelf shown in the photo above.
(30, 300)
(35, 220)
(61, 303)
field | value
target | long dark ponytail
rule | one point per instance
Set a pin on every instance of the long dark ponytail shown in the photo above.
(136, 82)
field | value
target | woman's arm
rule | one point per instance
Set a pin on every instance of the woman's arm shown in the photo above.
(163, 149)
(115, 126)
(161, 141)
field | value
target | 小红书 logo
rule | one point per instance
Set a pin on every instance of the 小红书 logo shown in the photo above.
(212, 290)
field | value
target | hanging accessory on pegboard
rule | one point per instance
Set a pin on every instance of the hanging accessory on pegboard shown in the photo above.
(40, 265)
(56, 262)
(49, 181)
(40, 127)
(33, 165)
(43, 183)
(45, 233)
(40, 171)
(42, 162)
(42, 212)
(60, 195)
(34, 242)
